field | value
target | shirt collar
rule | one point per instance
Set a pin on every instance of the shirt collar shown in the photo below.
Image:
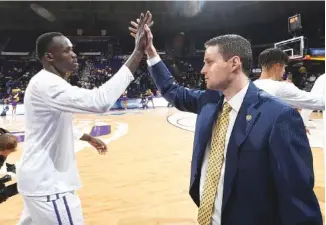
(236, 101)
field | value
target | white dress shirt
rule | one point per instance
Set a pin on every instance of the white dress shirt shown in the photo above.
(290, 94)
(48, 164)
(235, 102)
(317, 89)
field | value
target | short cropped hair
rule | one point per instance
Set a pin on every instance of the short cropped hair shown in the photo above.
(233, 45)
(43, 43)
(7, 140)
(272, 56)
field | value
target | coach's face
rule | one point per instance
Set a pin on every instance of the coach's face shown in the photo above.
(217, 72)
(62, 56)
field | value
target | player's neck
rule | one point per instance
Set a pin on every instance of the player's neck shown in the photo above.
(235, 86)
(52, 69)
(268, 74)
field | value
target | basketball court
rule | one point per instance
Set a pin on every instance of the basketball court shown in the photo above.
(144, 178)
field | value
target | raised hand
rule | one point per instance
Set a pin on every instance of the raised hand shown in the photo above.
(141, 36)
(143, 42)
(135, 27)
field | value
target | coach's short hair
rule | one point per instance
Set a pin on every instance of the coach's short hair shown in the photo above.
(272, 56)
(233, 45)
(43, 42)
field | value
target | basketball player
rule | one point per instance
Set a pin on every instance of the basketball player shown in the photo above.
(273, 62)
(48, 174)
(317, 89)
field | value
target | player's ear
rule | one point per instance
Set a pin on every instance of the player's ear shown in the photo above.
(49, 56)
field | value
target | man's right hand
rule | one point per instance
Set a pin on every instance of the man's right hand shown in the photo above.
(135, 26)
(141, 43)
(141, 36)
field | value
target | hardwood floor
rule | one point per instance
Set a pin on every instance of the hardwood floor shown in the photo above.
(143, 180)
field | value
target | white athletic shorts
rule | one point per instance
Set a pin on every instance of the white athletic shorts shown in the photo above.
(58, 209)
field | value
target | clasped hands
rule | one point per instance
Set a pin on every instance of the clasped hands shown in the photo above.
(142, 28)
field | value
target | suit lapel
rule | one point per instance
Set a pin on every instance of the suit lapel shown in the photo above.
(209, 117)
(246, 118)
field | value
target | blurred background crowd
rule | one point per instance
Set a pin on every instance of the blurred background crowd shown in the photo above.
(99, 32)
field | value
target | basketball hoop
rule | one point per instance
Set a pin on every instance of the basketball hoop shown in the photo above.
(293, 47)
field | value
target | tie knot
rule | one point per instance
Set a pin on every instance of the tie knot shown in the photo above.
(226, 107)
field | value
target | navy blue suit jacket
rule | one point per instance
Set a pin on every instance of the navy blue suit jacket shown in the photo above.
(269, 176)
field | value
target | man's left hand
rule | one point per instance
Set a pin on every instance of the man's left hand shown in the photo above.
(99, 145)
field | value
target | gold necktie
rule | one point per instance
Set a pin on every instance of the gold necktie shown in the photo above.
(215, 162)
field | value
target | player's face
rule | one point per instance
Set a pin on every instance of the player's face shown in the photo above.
(216, 71)
(63, 57)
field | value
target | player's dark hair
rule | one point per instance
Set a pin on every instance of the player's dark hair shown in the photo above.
(43, 43)
(272, 56)
(233, 45)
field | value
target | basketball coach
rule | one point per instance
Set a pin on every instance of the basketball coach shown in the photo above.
(251, 163)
